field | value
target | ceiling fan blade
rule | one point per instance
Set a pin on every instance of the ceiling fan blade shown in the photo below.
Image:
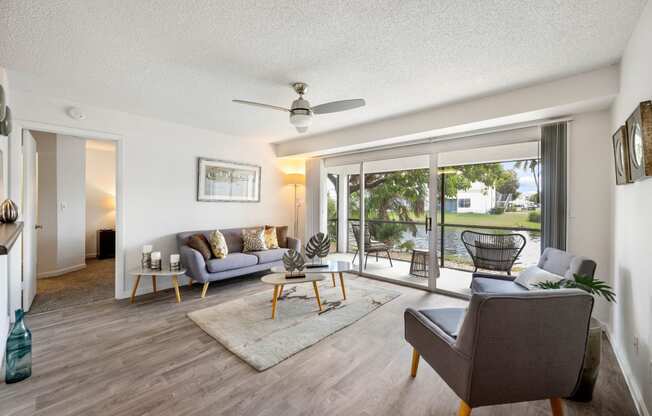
(336, 106)
(272, 107)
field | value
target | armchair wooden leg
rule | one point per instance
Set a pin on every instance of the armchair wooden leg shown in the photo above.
(390, 259)
(204, 289)
(415, 362)
(557, 409)
(465, 409)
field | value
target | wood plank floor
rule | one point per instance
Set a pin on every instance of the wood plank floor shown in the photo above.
(113, 358)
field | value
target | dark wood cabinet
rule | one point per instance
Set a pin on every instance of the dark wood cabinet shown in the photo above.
(105, 244)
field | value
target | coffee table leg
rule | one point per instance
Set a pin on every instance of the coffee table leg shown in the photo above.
(342, 283)
(274, 299)
(176, 288)
(280, 292)
(133, 291)
(154, 283)
(333, 277)
(314, 286)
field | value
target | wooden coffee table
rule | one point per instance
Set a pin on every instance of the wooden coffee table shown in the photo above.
(332, 266)
(279, 280)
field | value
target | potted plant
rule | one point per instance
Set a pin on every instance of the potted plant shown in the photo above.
(591, 367)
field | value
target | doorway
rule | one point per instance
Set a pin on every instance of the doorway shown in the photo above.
(73, 187)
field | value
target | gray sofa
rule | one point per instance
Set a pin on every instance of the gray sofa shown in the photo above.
(236, 263)
(552, 260)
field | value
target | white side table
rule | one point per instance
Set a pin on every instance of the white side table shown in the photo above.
(164, 272)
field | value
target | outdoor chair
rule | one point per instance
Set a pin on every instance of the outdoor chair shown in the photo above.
(370, 245)
(496, 252)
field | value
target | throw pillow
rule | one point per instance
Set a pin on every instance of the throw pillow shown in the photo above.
(253, 240)
(270, 237)
(281, 235)
(218, 245)
(533, 275)
(199, 243)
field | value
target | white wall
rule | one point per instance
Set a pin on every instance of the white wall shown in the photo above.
(632, 224)
(4, 278)
(100, 191)
(46, 146)
(159, 172)
(590, 174)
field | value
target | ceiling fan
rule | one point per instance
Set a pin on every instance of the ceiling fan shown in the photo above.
(301, 112)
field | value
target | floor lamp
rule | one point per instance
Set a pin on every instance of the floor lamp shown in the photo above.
(295, 179)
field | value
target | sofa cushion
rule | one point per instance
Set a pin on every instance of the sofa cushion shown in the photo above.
(271, 241)
(281, 235)
(448, 319)
(488, 285)
(230, 262)
(218, 245)
(533, 275)
(199, 243)
(270, 256)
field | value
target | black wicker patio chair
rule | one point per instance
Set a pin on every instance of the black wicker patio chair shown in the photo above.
(496, 252)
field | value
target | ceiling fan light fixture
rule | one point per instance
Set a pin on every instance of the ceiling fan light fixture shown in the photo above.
(301, 117)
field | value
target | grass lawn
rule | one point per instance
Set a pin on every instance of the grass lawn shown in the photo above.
(507, 219)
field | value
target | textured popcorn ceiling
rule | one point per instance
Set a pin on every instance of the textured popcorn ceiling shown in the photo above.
(184, 61)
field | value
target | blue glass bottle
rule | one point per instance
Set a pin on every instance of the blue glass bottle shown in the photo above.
(18, 365)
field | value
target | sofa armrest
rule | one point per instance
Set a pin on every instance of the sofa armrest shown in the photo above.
(294, 244)
(194, 263)
(493, 276)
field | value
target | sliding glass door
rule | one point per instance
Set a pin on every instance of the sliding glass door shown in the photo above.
(391, 223)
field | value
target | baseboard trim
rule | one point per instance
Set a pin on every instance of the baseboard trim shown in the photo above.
(632, 385)
(91, 255)
(59, 272)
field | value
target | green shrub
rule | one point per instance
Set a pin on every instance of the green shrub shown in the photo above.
(534, 216)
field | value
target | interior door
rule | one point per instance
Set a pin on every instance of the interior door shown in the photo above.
(30, 201)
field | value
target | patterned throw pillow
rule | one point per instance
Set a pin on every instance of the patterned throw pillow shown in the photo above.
(253, 240)
(270, 237)
(218, 245)
(199, 243)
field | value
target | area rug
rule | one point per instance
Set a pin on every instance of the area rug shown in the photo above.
(244, 326)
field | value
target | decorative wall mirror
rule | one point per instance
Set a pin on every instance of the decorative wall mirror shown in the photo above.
(621, 156)
(639, 141)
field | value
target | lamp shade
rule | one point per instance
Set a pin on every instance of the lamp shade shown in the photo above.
(295, 179)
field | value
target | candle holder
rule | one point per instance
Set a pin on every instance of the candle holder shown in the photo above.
(175, 267)
(146, 260)
(155, 264)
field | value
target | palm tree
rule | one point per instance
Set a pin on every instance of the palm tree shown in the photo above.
(533, 166)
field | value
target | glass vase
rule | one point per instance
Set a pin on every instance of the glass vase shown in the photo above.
(18, 365)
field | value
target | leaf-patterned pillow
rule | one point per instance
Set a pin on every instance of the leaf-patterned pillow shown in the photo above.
(254, 240)
(218, 245)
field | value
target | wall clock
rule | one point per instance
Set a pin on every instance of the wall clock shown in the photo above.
(621, 156)
(639, 141)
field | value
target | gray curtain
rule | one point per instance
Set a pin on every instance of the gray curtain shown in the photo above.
(553, 179)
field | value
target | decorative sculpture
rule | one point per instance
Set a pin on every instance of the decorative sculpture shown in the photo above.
(8, 211)
(294, 264)
(319, 245)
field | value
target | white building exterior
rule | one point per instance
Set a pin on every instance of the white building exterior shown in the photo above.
(478, 199)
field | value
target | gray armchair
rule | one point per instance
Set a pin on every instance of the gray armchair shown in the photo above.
(509, 347)
(553, 260)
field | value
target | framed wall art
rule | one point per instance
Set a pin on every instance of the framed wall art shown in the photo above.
(639, 141)
(225, 181)
(621, 156)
